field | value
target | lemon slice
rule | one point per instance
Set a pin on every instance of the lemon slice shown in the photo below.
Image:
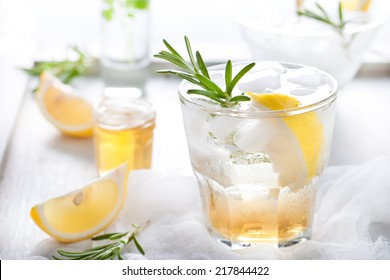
(307, 130)
(63, 108)
(356, 5)
(85, 212)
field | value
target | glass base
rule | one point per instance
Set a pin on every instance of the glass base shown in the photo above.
(238, 245)
(296, 240)
(245, 215)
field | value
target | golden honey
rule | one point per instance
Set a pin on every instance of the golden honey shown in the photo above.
(123, 132)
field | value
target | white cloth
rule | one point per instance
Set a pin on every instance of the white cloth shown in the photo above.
(352, 219)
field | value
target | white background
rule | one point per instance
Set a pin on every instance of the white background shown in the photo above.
(63, 22)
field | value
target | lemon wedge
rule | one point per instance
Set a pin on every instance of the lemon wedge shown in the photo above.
(356, 5)
(296, 165)
(85, 212)
(61, 106)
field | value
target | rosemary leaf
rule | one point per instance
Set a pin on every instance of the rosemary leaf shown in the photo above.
(173, 51)
(189, 78)
(182, 75)
(66, 70)
(239, 76)
(190, 54)
(206, 93)
(196, 72)
(101, 255)
(239, 98)
(174, 60)
(97, 248)
(104, 236)
(71, 254)
(116, 236)
(202, 65)
(228, 74)
(140, 249)
(341, 13)
(322, 10)
(209, 84)
(108, 251)
(323, 16)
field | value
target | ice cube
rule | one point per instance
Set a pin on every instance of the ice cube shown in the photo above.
(253, 136)
(307, 77)
(274, 138)
(195, 122)
(223, 127)
(269, 65)
(302, 91)
(265, 80)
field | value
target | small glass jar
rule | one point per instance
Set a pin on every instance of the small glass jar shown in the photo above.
(123, 132)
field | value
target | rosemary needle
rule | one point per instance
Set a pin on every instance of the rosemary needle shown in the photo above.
(108, 251)
(196, 72)
(324, 17)
(66, 70)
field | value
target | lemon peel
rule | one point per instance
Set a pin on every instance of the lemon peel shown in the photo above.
(356, 5)
(62, 107)
(306, 128)
(83, 213)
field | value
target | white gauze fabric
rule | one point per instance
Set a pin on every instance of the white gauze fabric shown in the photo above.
(352, 219)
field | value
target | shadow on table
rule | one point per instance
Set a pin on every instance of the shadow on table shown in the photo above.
(82, 148)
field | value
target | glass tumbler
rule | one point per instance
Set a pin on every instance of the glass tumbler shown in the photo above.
(125, 43)
(258, 166)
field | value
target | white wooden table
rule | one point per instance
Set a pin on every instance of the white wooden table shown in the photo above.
(40, 163)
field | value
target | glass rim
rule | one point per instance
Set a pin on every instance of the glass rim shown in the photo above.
(245, 22)
(147, 117)
(265, 113)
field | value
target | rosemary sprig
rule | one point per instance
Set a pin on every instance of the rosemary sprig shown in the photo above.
(324, 17)
(197, 73)
(108, 251)
(127, 6)
(66, 70)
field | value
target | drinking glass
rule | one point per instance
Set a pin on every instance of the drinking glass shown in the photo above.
(125, 43)
(258, 168)
(272, 31)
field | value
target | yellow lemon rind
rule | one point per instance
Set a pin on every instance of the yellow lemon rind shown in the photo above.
(297, 125)
(119, 176)
(356, 5)
(49, 80)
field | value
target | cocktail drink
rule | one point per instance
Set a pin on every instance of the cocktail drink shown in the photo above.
(275, 30)
(258, 162)
(125, 42)
(259, 138)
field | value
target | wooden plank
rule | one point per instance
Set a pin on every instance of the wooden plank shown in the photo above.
(12, 88)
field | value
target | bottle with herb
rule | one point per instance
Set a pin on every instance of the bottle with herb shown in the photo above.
(125, 42)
